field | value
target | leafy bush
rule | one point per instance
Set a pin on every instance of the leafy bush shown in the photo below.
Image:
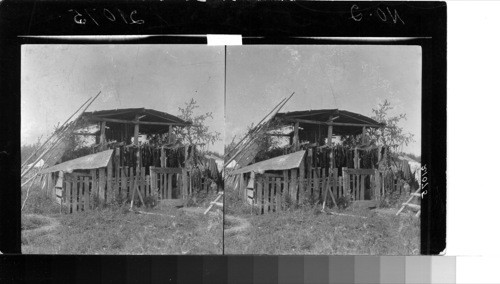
(150, 201)
(343, 202)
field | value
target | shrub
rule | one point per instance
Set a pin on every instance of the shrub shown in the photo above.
(343, 202)
(150, 201)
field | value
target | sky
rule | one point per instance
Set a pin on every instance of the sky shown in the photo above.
(57, 79)
(353, 78)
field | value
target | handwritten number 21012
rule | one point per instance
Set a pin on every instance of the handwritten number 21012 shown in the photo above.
(81, 18)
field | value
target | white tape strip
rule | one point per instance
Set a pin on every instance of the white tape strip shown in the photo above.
(224, 40)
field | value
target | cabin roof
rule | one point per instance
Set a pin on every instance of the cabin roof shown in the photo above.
(92, 161)
(129, 114)
(151, 121)
(344, 122)
(284, 162)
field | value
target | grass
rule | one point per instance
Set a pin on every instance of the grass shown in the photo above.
(306, 230)
(115, 230)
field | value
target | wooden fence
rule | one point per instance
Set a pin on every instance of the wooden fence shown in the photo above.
(85, 191)
(274, 192)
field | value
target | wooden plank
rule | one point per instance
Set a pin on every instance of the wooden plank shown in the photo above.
(362, 193)
(286, 184)
(130, 183)
(74, 195)
(345, 179)
(242, 187)
(102, 138)
(86, 182)
(143, 181)
(169, 186)
(152, 180)
(101, 184)
(67, 195)
(279, 184)
(296, 136)
(162, 158)
(148, 186)
(259, 200)
(116, 165)
(322, 192)
(335, 176)
(358, 186)
(109, 179)
(98, 118)
(266, 194)
(302, 177)
(272, 188)
(293, 186)
(329, 137)
(80, 194)
(413, 206)
(164, 185)
(93, 188)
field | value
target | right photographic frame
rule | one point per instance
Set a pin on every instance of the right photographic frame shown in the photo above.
(323, 149)
(335, 133)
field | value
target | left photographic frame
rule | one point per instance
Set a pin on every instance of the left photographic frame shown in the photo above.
(121, 148)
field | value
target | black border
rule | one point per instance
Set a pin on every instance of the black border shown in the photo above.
(425, 24)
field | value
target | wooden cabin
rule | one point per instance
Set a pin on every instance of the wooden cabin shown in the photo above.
(311, 168)
(122, 166)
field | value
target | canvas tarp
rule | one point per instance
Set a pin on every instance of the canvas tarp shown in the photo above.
(285, 162)
(92, 161)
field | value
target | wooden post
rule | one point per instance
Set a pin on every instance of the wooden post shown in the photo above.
(362, 191)
(356, 159)
(116, 184)
(102, 186)
(266, 193)
(170, 134)
(293, 186)
(152, 176)
(162, 158)
(335, 176)
(93, 188)
(136, 131)
(286, 183)
(296, 136)
(330, 134)
(242, 187)
(316, 190)
(74, 195)
(102, 139)
(86, 193)
(272, 200)
(169, 186)
(278, 194)
(109, 180)
(302, 177)
(67, 195)
(346, 180)
(258, 194)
